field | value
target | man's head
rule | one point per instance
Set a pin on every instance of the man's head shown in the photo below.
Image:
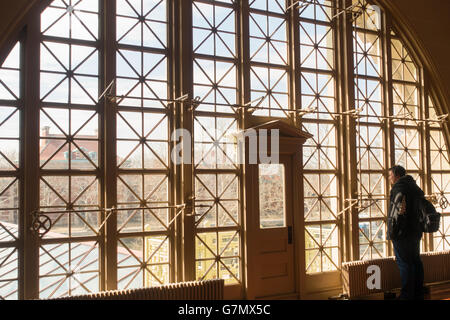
(395, 173)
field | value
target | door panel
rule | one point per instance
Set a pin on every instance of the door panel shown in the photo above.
(271, 256)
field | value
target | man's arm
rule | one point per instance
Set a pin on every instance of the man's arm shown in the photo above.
(403, 206)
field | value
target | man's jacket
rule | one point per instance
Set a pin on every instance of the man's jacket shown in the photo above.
(406, 225)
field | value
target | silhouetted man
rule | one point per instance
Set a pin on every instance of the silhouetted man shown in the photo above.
(405, 232)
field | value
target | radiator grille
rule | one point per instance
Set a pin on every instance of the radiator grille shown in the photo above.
(354, 274)
(199, 290)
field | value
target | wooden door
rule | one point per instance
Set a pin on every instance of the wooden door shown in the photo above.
(271, 251)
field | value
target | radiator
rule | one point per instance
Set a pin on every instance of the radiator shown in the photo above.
(354, 274)
(199, 290)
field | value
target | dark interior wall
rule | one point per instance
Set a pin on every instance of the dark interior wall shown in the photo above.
(12, 13)
(428, 20)
(9, 11)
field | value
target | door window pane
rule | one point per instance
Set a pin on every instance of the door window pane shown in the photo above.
(272, 205)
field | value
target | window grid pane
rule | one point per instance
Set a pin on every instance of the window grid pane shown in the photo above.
(9, 173)
(440, 178)
(269, 58)
(318, 93)
(370, 130)
(143, 158)
(216, 186)
(69, 148)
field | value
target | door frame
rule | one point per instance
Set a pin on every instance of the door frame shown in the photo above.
(291, 144)
(254, 222)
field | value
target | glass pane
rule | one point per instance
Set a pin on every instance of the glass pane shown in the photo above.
(71, 19)
(8, 272)
(68, 269)
(272, 204)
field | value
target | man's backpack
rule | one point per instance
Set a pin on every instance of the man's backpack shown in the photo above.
(429, 218)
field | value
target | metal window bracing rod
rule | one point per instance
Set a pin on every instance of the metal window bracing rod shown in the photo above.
(300, 4)
(183, 99)
(186, 100)
(107, 93)
(110, 211)
(354, 202)
(351, 205)
(302, 112)
(437, 199)
(348, 9)
(356, 113)
(428, 196)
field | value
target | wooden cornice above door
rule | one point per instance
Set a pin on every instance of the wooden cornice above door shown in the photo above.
(286, 129)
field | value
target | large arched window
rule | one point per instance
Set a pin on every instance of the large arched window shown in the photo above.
(93, 90)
